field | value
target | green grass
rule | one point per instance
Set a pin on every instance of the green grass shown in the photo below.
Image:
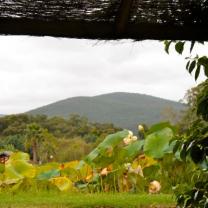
(103, 200)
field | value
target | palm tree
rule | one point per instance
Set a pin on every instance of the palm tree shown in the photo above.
(34, 136)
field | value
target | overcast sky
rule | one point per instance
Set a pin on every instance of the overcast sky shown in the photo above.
(36, 71)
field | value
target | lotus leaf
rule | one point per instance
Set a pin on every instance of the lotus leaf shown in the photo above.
(157, 143)
(49, 174)
(63, 183)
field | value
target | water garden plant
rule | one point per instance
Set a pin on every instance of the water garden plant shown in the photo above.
(122, 162)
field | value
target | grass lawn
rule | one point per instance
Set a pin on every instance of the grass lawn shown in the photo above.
(102, 200)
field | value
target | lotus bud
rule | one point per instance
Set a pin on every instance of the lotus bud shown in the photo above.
(130, 134)
(140, 128)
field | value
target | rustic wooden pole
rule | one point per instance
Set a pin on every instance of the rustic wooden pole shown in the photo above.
(123, 16)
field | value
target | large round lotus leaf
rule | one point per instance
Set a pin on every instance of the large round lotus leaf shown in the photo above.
(84, 171)
(69, 169)
(1, 168)
(151, 172)
(47, 167)
(23, 168)
(106, 148)
(144, 161)
(20, 156)
(128, 153)
(63, 183)
(160, 126)
(157, 143)
(49, 174)
(11, 175)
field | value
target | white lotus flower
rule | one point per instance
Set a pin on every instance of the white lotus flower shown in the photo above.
(127, 140)
(104, 172)
(130, 134)
(154, 187)
(134, 138)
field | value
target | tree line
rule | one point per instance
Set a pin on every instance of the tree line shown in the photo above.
(55, 138)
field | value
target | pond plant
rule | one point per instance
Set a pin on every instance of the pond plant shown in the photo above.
(122, 162)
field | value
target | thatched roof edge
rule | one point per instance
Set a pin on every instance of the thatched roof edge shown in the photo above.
(101, 30)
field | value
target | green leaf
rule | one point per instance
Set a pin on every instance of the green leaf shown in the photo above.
(20, 156)
(128, 153)
(105, 148)
(167, 45)
(151, 171)
(192, 45)
(63, 183)
(197, 72)
(160, 126)
(11, 176)
(2, 168)
(187, 65)
(192, 66)
(157, 144)
(48, 175)
(179, 47)
(23, 168)
(203, 61)
(206, 71)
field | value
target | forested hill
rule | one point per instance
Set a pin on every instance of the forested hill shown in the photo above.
(125, 110)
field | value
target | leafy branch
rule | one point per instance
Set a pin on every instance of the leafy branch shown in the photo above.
(194, 143)
(197, 63)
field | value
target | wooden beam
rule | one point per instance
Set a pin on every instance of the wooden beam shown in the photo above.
(123, 16)
(102, 30)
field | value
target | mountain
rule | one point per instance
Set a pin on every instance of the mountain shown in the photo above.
(125, 110)
(1, 115)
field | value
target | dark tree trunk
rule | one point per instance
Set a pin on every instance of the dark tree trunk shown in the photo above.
(34, 152)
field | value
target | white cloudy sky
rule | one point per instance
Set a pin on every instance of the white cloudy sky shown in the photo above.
(36, 71)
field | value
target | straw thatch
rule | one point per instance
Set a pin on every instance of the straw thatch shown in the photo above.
(106, 19)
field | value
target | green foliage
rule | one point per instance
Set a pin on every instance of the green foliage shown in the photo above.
(193, 144)
(104, 153)
(196, 63)
(52, 138)
(202, 101)
(71, 149)
(197, 197)
(157, 143)
(116, 164)
(40, 140)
